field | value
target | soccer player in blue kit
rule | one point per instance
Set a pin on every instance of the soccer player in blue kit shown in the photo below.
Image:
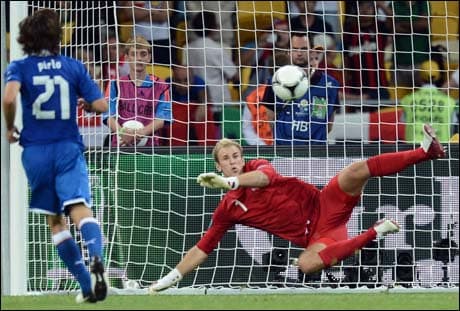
(50, 86)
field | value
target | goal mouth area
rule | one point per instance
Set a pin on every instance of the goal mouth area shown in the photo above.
(188, 291)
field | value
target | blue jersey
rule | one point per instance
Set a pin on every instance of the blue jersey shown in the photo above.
(50, 88)
(305, 120)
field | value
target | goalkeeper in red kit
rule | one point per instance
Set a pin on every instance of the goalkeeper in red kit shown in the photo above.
(292, 209)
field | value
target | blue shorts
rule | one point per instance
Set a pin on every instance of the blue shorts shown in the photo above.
(57, 175)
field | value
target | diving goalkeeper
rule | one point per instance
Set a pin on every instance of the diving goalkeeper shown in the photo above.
(295, 210)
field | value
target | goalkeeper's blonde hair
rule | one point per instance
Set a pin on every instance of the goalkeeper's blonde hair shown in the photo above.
(223, 143)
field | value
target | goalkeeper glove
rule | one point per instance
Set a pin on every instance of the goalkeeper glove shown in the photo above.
(212, 180)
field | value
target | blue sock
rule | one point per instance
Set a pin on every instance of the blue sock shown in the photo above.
(91, 233)
(70, 254)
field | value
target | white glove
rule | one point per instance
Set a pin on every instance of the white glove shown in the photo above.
(212, 180)
(168, 280)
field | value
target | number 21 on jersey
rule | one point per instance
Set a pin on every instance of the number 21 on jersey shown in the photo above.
(50, 83)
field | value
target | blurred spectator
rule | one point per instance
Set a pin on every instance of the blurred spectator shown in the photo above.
(328, 57)
(428, 104)
(193, 119)
(281, 48)
(257, 118)
(254, 54)
(262, 55)
(178, 16)
(225, 14)
(251, 53)
(85, 23)
(113, 59)
(365, 39)
(151, 20)
(293, 9)
(309, 21)
(412, 38)
(310, 118)
(211, 62)
(450, 85)
(452, 81)
(327, 62)
(86, 56)
(439, 55)
(137, 96)
(85, 118)
(328, 9)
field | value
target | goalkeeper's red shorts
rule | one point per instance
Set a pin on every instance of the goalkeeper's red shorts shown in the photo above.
(336, 208)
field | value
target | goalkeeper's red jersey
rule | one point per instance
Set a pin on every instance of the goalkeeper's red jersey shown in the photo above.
(288, 207)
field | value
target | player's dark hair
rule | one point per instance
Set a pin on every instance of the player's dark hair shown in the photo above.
(40, 31)
(299, 34)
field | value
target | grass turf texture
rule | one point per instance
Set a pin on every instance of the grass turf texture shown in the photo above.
(371, 301)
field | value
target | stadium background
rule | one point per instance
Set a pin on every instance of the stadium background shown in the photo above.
(160, 212)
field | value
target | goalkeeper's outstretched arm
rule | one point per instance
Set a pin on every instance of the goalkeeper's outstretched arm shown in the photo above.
(254, 179)
(249, 179)
(191, 260)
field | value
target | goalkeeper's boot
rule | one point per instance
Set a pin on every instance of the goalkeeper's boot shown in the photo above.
(385, 226)
(99, 282)
(88, 298)
(431, 144)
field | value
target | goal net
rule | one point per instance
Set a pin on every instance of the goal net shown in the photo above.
(146, 197)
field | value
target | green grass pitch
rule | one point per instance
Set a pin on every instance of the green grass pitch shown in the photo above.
(352, 301)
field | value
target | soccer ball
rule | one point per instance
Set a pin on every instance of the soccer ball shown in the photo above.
(131, 284)
(290, 82)
(136, 125)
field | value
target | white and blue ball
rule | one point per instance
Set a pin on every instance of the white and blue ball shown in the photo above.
(290, 82)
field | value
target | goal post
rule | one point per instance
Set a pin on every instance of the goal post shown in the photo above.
(147, 200)
(16, 259)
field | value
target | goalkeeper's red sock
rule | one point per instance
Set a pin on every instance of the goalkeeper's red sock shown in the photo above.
(394, 162)
(338, 251)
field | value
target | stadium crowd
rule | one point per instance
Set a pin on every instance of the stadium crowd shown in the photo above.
(366, 53)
